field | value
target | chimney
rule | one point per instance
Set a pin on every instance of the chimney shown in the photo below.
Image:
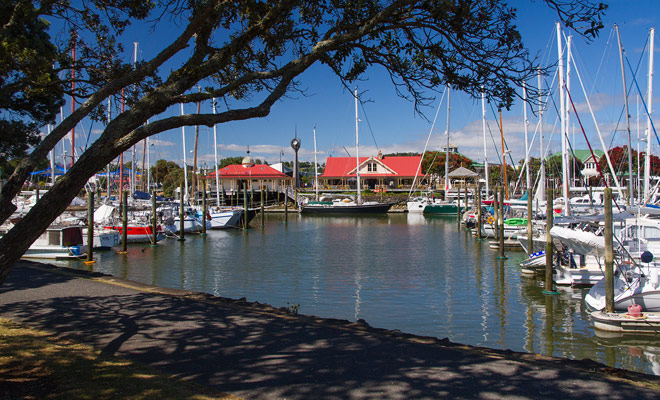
(380, 155)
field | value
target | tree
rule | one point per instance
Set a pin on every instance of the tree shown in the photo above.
(434, 162)
(249, 54)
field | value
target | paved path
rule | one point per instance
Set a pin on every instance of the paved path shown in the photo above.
(253, 351)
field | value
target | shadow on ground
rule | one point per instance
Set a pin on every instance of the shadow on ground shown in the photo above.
(257, 354)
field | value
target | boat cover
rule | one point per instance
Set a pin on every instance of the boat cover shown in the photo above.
(581, 242)
(103, 213)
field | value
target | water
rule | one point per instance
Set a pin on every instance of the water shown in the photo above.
(409, 272)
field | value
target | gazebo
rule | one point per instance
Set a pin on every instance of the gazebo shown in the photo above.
(463, 173)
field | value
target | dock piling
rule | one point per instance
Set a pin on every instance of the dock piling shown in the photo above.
(549, 248)
(530, 241)
(500, 226)
(204, 208)
(124, 221)
(182, 214)
(609, 253)
(154, 227)
(90, 228)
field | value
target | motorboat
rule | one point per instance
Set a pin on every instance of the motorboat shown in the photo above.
(225, 217)
(58, 242)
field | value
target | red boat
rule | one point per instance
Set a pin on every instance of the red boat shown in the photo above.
(139, 233)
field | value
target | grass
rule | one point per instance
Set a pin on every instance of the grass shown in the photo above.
(34, 365)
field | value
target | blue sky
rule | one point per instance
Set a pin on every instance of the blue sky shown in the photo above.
(393, 125)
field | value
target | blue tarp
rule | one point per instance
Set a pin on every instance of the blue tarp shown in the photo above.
(47, 172)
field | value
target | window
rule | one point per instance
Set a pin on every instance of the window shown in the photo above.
(372, 167)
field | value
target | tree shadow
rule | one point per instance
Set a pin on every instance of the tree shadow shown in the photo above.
(255, 353)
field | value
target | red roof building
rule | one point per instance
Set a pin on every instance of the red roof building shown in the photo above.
(255, 175)
(375, 172)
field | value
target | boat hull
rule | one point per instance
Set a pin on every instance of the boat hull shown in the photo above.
(442, 209)
(225, 219)
(345, 209)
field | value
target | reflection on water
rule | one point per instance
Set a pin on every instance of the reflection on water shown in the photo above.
(407, 272)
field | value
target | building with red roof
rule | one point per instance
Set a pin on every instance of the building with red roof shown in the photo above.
(378, 172)
(232, 177)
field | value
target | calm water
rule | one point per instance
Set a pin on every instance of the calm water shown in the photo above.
(409, 272)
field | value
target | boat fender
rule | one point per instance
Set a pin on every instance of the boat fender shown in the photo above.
(635, 311)
(654, 278)
(75, 250)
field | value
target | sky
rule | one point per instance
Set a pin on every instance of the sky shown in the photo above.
(389, 123)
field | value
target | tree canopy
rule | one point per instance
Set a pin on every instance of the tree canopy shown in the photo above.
(247, 55)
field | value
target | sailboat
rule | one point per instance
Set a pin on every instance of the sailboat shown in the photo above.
(442, 207)
(347, 206)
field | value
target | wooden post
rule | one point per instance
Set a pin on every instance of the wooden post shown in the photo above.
(549, 248)
(262, 203)
(124, 220)
(530, 240)
(245, 206)
(154, 221)
(501, 225)
(609, 256)
(458, 205)
(182, 215)
(90, 228)
(479, 216)
(204, 208)
(286, 205)
(496, 212)
(466, 197)
(37, 192)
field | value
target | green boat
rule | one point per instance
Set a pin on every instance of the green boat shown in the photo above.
(442, 209)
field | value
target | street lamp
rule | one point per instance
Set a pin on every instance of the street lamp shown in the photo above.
(295, 145)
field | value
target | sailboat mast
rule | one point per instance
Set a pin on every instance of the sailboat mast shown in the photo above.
(562, 114)
(625, 98)
(541, 189)
(215, 158)
(194, 172)
(506, 184)
(526, 123)
(483, 123)
(316, 170)
(569, 166)
(185, 161)
(649, 127)
(133, 168)
(107, 197)
(357, 150)
(447, 149)
(51, 156)
(73, 103)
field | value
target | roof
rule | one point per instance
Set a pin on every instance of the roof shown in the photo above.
(462, 172)
(583, 155)
(257, 171)
(345, 166)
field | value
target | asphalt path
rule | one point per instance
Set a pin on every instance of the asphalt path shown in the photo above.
(251, 350)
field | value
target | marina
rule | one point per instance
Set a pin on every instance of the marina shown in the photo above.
(408, 272)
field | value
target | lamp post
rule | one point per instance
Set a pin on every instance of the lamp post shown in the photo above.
(295, 145)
